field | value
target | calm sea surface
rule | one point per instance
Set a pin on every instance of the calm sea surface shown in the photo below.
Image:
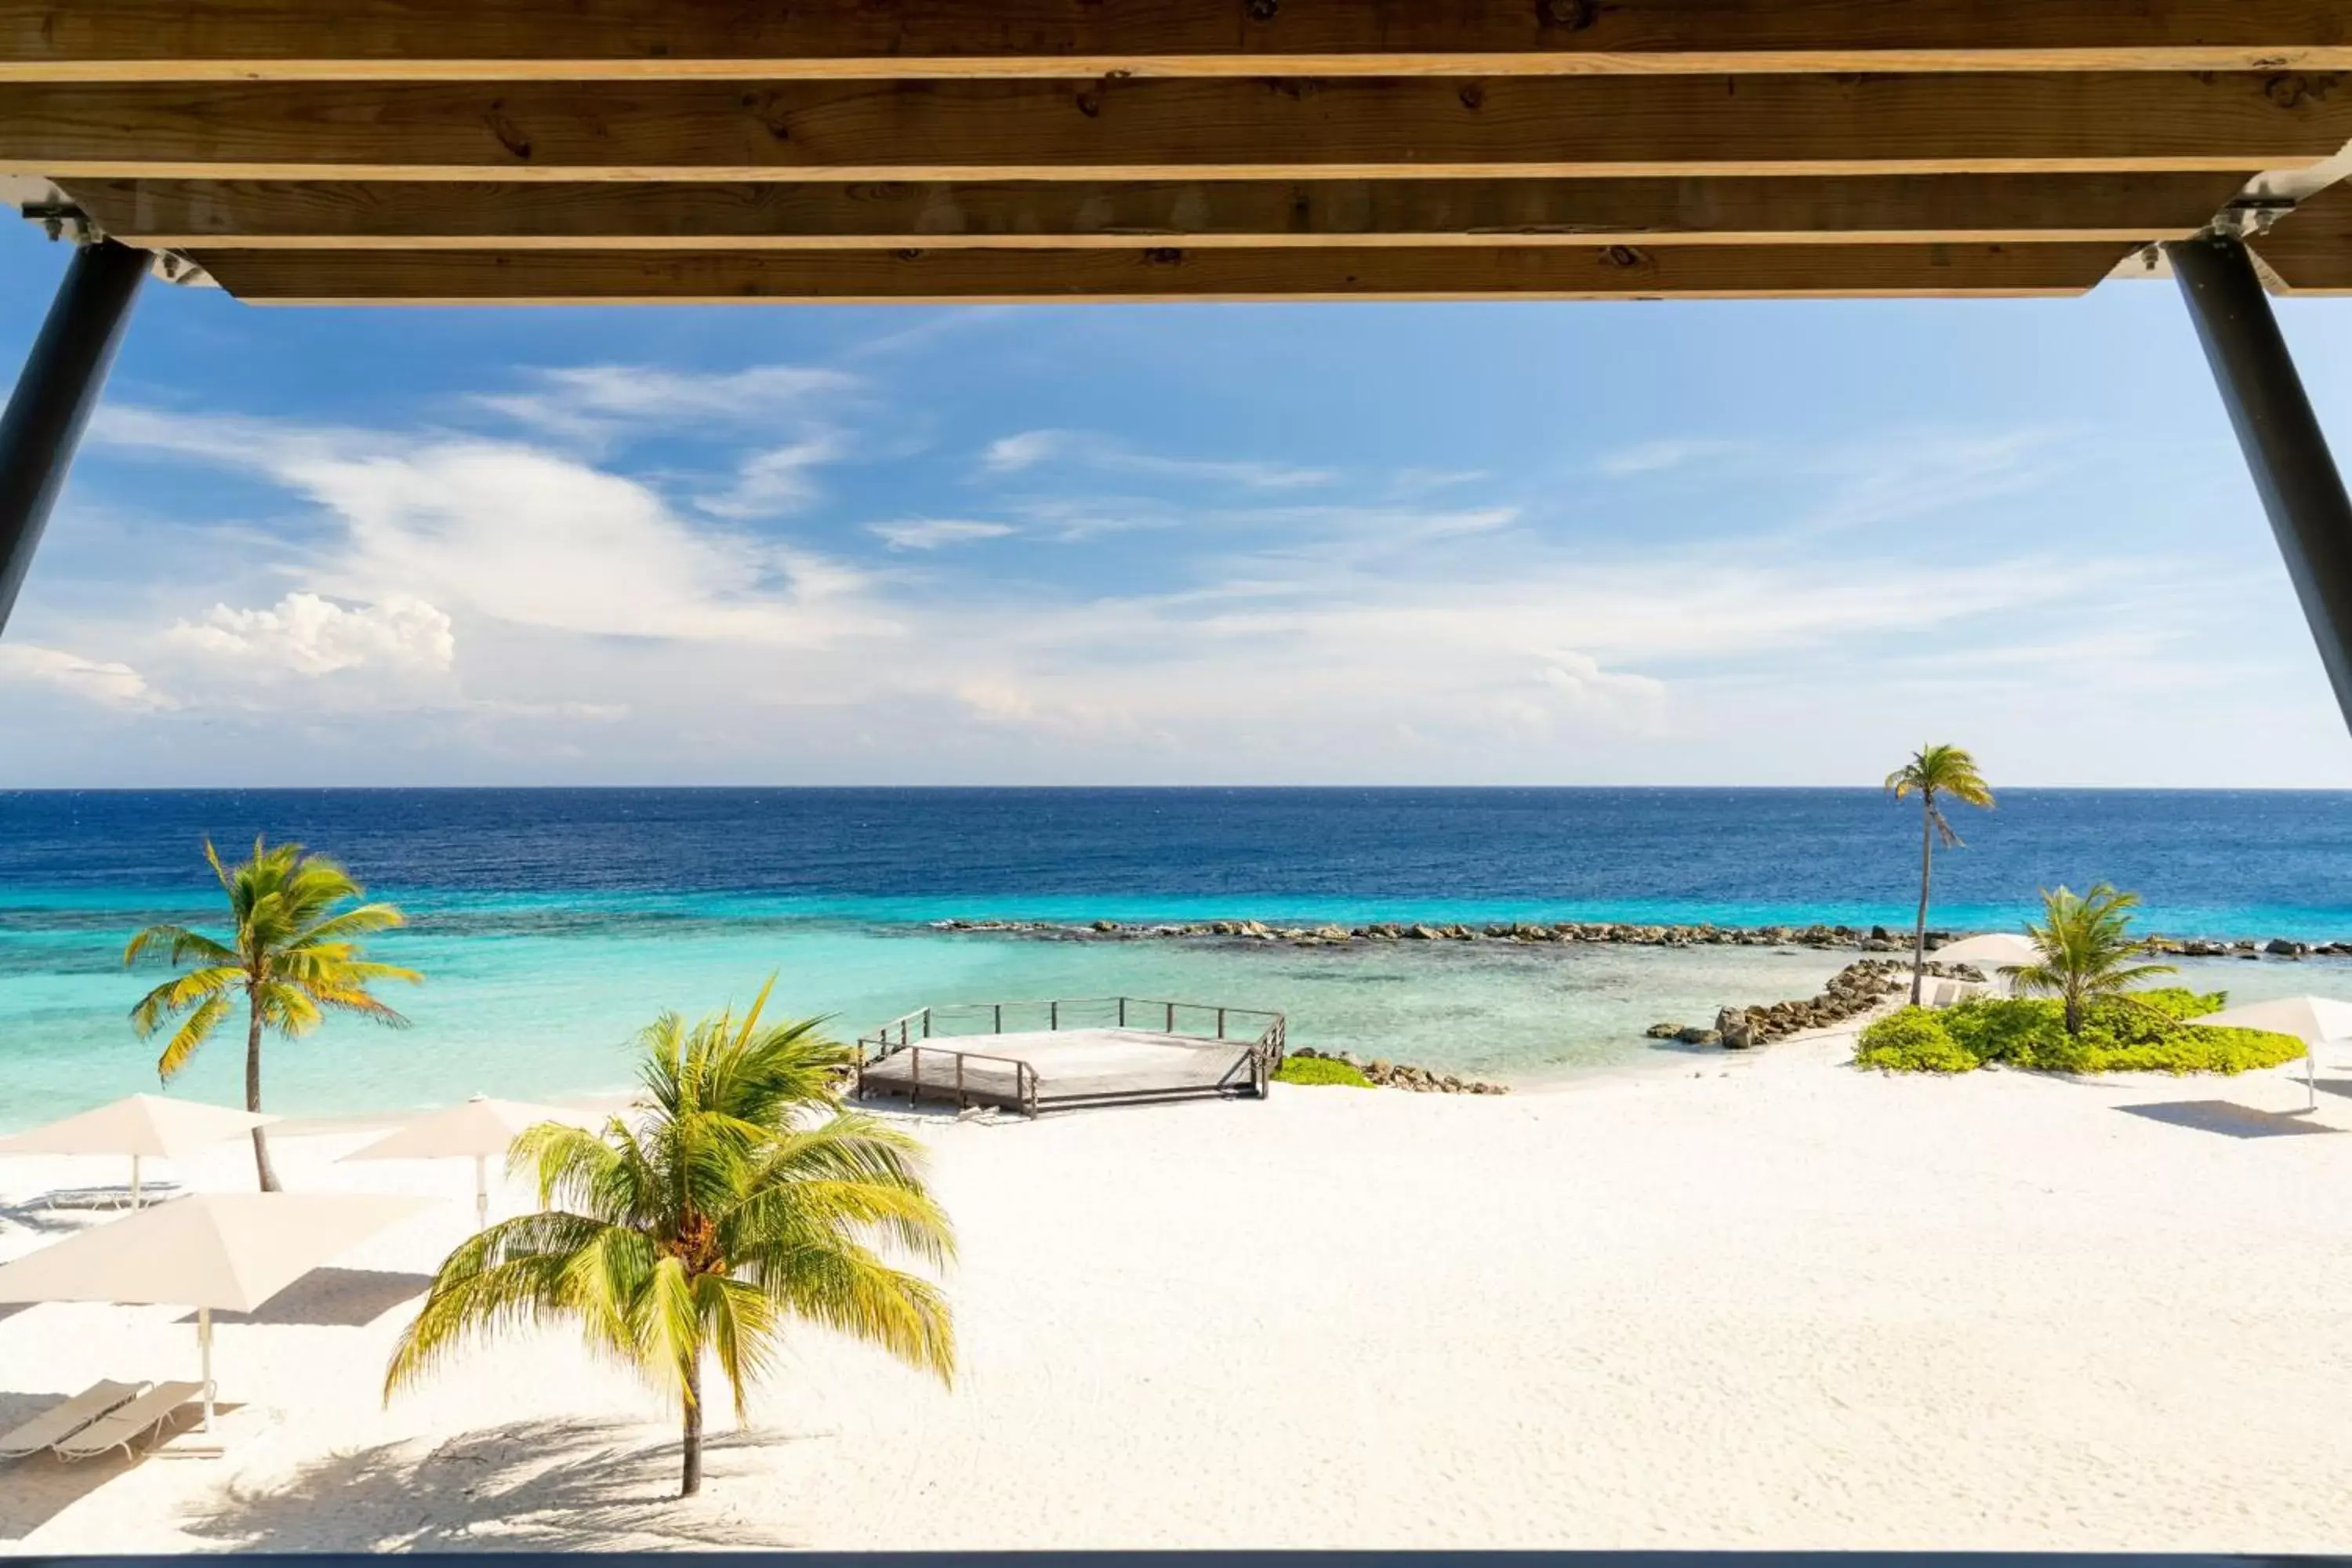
(551, 922)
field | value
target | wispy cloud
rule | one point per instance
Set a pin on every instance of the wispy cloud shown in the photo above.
(591, 402)
(1676, 452)
(935, 533)
(1029, 449)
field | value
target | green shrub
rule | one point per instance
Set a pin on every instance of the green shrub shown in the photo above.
(1321, 1070)
(1914, 1040)
(2144, 1031)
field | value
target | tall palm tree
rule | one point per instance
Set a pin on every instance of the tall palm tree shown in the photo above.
(294, 956)
(1934, 774)
(2087, 950)
(741, 1196)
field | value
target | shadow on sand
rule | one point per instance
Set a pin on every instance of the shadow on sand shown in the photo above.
(333, 1298)
(35, 1490)
(2231, 1120)
(572, 1485)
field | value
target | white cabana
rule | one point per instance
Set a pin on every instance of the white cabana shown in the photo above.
(2314, 1020)
(478, 1129)
(225, 1252)
(144, 1126)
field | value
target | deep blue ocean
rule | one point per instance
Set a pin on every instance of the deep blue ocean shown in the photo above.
(2211, 862)
(551, 924)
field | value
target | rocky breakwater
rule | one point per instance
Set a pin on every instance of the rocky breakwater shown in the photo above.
(1522, 933)
(1404, 1075)
(1852, 991)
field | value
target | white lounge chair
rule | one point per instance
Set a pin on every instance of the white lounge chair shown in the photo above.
(63, 1419)
(124, 1426)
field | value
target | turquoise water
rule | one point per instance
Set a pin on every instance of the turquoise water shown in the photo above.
(553, 924)
(542, 1002)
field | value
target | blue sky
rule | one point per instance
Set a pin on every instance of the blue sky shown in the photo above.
(1593, 543)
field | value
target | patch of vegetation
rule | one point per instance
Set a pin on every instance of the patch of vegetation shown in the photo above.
(1321, 1070)
(2143, 1031)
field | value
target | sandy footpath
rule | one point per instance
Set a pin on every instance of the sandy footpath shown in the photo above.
(1750, 1303)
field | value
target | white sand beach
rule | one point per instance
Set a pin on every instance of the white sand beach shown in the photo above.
(1766, 1301)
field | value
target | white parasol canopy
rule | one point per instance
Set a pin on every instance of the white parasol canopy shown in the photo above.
(1994, 949)
(216, 1251)
(478, 1129)
(141, 1126)
(2314, 1020)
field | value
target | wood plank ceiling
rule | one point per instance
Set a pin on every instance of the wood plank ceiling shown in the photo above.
(382, 151)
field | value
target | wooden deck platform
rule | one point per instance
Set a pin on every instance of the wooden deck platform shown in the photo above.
(1032, 1069)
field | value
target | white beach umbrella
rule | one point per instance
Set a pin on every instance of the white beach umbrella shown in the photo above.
(225, 1252)
(2314, 1020)
(480, 1127)
(1994, 949)
(142, 1126)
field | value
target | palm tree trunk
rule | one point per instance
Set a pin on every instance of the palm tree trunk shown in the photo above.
(1927, 863)
(253, 1097)
(692, 1481)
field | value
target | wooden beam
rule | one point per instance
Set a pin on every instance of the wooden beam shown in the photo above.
(174, 214)
(1344, 128)
(1554, 272)
(2311, 248)
(189, 40)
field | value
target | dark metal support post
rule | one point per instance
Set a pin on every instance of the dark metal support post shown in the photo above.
(2301, 488)
(54, 396)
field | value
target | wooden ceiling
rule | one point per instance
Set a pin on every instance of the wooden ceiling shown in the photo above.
(384, 151)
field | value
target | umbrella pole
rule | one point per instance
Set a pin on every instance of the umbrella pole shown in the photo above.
(205, 1356)
(481, 1192)
(134, 1181)
(2310, 1078)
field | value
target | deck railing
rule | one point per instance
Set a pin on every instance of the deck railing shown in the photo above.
(1265, 1034)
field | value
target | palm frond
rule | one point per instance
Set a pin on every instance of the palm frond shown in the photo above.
(190, 1035)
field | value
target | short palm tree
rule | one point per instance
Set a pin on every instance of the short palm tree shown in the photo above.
(1935, 773)
(741, 1196)
(2087, 950)
(294, 956)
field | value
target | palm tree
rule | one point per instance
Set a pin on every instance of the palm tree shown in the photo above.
(742, 1196)
(294, 956)
(1936, 771)
(2087, 950)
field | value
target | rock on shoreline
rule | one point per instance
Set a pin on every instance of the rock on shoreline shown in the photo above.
(1404, 1075)
(1852, 991)
(1567, 933)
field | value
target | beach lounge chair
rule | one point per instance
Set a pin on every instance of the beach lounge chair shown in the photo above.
(125, 1425)
(62, 1420)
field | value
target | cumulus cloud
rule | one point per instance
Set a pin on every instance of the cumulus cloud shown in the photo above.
(934, 533)
(306, 635)
(107, 683)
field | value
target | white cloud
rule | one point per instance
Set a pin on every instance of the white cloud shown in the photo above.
(103, 682)
(592, 401)
(1078, 448)
(775, 483)
(306, 635)
(529, 537)
(1012, 453)
(933, 533)
(1658, 457)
